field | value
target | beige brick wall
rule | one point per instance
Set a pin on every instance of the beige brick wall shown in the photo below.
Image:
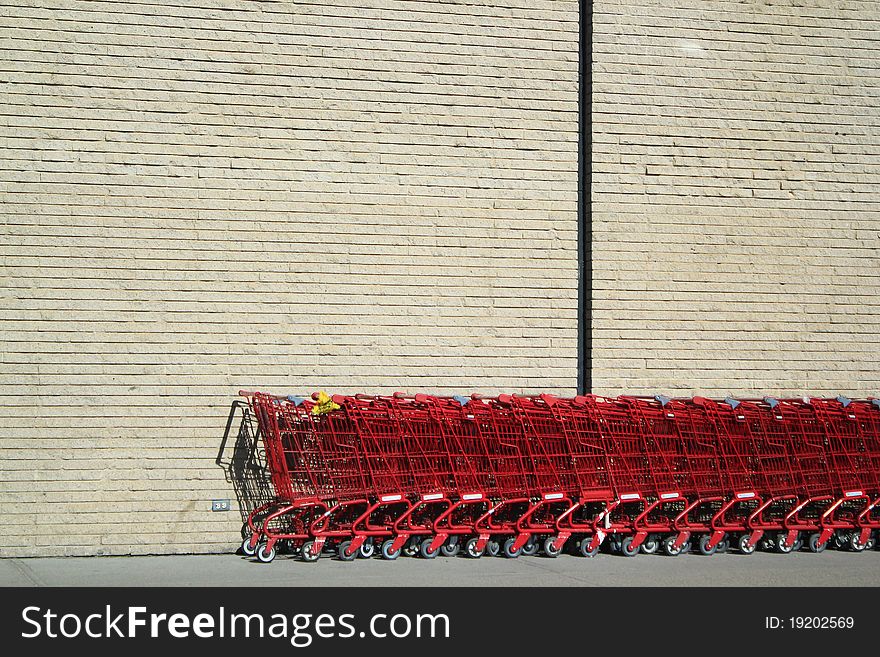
(736, 164)
(341, 194)
(381, 195)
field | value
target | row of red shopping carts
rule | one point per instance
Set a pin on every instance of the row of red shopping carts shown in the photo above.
(517, 475)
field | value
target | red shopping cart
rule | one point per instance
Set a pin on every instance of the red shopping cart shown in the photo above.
(513, 474)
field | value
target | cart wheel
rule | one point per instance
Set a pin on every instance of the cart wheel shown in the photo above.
(368, 549)
(782, 545)
(670, 548)
(492, 548)
(387, 550)
(509, 552)
(650, 546)
(723, 546)
(451, 548)
(703, 546)
(626, 548)
(425, 548)
(342, 552)
(530, 549)
(550, 548)
(247, 548)
(307, 552)
(798, 544)
(471, 550)
(813, 543)
(837, 540)
(265, 554)
(745, 547)
(411, 548)
(855, 545)
(584, 548)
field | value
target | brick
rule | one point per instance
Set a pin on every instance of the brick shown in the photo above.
(357, 195)
(735, 219)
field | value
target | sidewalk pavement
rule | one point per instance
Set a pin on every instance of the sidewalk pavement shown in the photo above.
(831, 568)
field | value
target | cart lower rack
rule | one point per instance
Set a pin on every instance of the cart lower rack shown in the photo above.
(515, 475)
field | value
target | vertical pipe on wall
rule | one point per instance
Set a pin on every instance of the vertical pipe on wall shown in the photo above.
(585, 268)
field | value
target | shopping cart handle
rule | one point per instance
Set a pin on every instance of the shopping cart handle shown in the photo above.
(662, 399)
(733, 403)
(422, 397)
(249, 393)
(505, 399)
(771, 402)
(876, 402)
(296, 401)
(461, 399)
(844, 401)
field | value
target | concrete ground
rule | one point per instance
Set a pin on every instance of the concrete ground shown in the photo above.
(831, 568)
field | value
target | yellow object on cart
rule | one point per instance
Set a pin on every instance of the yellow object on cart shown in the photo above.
(324, 404)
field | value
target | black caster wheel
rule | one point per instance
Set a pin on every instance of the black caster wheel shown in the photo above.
(550, 549)
(425, 549)
(367, 549)
(265, 554)
(343, 549)
(247, 549)
(703, 546)
(813, 543)
(508, 550)
(626, 547)
(451, 547)
(307, 552)
(585, 550)
(530, 549)
(745, 545)
(855, 544)
(651, 545)
(782, 544)
(411, 548)
(669, 547)
(388, 550)
(470, 548)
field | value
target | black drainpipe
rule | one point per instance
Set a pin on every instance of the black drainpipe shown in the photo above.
(585, 241)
